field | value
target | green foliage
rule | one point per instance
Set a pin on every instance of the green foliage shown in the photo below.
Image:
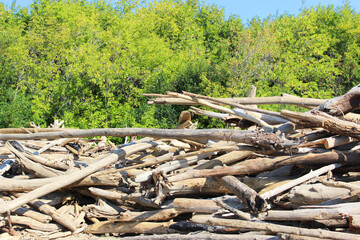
(89, 62)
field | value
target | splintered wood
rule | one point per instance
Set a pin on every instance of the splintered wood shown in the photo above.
(283, 175)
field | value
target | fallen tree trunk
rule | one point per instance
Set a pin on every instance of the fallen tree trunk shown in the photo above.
(130, 227)
(275, 228)
(290, 100)
(262, 139)
(264, 164)
(341, 105)
(326, 121)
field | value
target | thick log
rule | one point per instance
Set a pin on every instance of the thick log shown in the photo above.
(338, 211)
(130, 227)
(30, 130)
(341, 105)
(27, 212)
(36, 225)
(156, 215)
(274, 228)
(326, 121)
(248, 196)
(227, 158)
(36, 168)
(6, 166)
(116, 195)
(50, 163)
(265, 164)
(208, 113)
(205, 236)
(317, 193)
(24, 185)
(237, 212)
(52, 212)
(295, 182)
(173, 165)
(261, 139)
(354, 222)
(195, 205)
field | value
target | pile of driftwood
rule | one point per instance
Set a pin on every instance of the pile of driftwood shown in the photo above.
(290, 175)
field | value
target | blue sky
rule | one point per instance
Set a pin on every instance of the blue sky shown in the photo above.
(247, 9)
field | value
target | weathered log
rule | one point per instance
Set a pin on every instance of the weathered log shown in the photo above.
(204, 236)
(326, 121)
(23, 185)
(52, 212)
(289, 100)
(27, 212)
(195, 205)
(38, 169)
(227, 158)
(208, 113)
(6, 165)
(237, 212)
(53, 164)
(261, 139)
(274, 228)
(264, 164)
(248, 196)
(186, 226)
(173, 165)
(30, 130)
(341, 105)
(33, 224)
(354, 223)
(333, 142)
(130, 227)
(155, 215)
(226, 110)
(266, 115)
(290, 184)
(315, 194)
(102, 209)
(338, 211)
(116, 195)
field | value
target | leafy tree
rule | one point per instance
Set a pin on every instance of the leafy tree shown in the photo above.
(89, 62)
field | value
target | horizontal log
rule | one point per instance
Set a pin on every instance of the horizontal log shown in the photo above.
(205, 236)
(292, 100)
(338, 211)
(262, 139)
(341, 105)
(264, 164)
(326, 121)
(36, 225)
(30, 130)
(195, 205)
(274, 228)
(130, 227)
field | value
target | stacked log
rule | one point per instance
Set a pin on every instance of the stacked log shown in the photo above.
(286, 175)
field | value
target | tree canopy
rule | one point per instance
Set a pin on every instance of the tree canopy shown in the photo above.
(89, 62)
